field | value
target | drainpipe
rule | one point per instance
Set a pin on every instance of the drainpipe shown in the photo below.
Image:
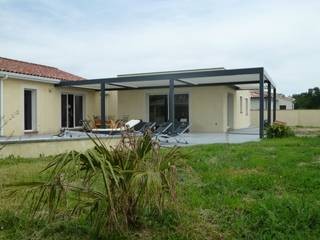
(3, 77)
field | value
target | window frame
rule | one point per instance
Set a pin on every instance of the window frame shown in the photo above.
(33, 110)
(74, 111)
(147, 115)
(241, 104)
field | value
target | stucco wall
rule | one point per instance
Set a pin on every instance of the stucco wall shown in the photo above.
(255, 103)
(292, 117)
(207, 106)
(242, 119)
(48, 105)
(47, 148)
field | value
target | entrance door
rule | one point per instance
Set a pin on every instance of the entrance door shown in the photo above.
(230, 111)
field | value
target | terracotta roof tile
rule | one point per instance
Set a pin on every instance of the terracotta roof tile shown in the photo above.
(16, 66)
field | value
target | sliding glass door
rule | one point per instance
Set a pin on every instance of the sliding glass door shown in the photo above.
(181, 102)
(158, 108)
(71, 110)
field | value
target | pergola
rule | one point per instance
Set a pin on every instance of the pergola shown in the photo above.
(241, 79)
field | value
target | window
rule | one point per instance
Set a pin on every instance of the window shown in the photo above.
(159, 108)
(241, 110)
(247, 106)
(71, 110)
(29, 110)
(283, 107)
(181, 102)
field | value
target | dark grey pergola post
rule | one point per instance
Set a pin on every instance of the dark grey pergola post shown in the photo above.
(171, 102)
(269, 103)
(261, 99)
(274, 104)
(103, 104)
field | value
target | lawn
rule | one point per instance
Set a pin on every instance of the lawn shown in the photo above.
(262, 190)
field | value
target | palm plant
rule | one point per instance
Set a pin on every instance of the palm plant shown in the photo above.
(112, 187)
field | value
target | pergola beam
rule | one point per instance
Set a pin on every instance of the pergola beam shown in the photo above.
(171, 102)
(185, 82)
(274, 103)
(269, 103)
(103, 104)
(142, 78)
(261, 108)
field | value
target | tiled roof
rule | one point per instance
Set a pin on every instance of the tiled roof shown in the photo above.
(16, 66)
(256, 94)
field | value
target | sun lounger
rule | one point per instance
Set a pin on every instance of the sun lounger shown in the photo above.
(144, 126)
(162, 129)
(129, 125)
(177, 133)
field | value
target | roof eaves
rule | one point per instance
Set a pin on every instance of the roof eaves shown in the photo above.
(29, 77)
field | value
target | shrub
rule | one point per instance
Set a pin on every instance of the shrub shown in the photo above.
(111, 188)
(279, 131)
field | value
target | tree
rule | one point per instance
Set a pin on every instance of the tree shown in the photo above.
(308, 100)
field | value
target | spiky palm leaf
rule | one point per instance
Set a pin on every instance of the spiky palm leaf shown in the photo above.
(110, 186)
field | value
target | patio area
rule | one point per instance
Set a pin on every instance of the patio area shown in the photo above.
(210, 138)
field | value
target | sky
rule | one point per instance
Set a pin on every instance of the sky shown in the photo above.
(103, 38)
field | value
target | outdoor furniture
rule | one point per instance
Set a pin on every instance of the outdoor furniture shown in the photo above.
(128, 125)
(177, 132)
(144, 126)
(161, 129)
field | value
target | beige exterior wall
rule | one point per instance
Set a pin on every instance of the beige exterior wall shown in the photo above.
(308, 118)
(111, 104)
(207, 107)
(242, 118)
(48, 105)
(47, 148)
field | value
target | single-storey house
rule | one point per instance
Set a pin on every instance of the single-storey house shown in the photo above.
(38, 99)
(282, 102)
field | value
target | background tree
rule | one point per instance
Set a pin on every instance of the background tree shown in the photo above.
(308, 100)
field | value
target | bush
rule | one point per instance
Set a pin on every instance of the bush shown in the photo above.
(279, 131)
(112, 188)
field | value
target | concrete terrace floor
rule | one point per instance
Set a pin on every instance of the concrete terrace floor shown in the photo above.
(235, 136)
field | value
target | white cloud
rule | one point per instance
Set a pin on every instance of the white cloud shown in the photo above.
(101, 40)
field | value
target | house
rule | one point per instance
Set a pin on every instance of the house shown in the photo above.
(282, 102)
(31, 104)
(39, 99)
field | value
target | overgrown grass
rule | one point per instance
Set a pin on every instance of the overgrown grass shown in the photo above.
(263, 190)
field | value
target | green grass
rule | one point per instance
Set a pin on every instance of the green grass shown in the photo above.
(264, 190)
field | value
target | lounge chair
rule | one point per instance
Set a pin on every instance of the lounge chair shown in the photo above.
(177, 133)
(144, 126)
(162, 129)
(128, 125)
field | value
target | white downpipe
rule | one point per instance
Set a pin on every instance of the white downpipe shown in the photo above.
(2, 104)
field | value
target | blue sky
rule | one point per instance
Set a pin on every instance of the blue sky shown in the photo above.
(97, 38)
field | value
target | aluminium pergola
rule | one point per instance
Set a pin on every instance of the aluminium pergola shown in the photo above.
(246, 78)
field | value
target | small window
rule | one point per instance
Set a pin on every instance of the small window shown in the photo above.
(283, 107)
(241, 103)
(29, 110)
(247, 106)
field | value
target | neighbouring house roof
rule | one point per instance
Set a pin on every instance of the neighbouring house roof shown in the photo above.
(255, 94)
(32, 69)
